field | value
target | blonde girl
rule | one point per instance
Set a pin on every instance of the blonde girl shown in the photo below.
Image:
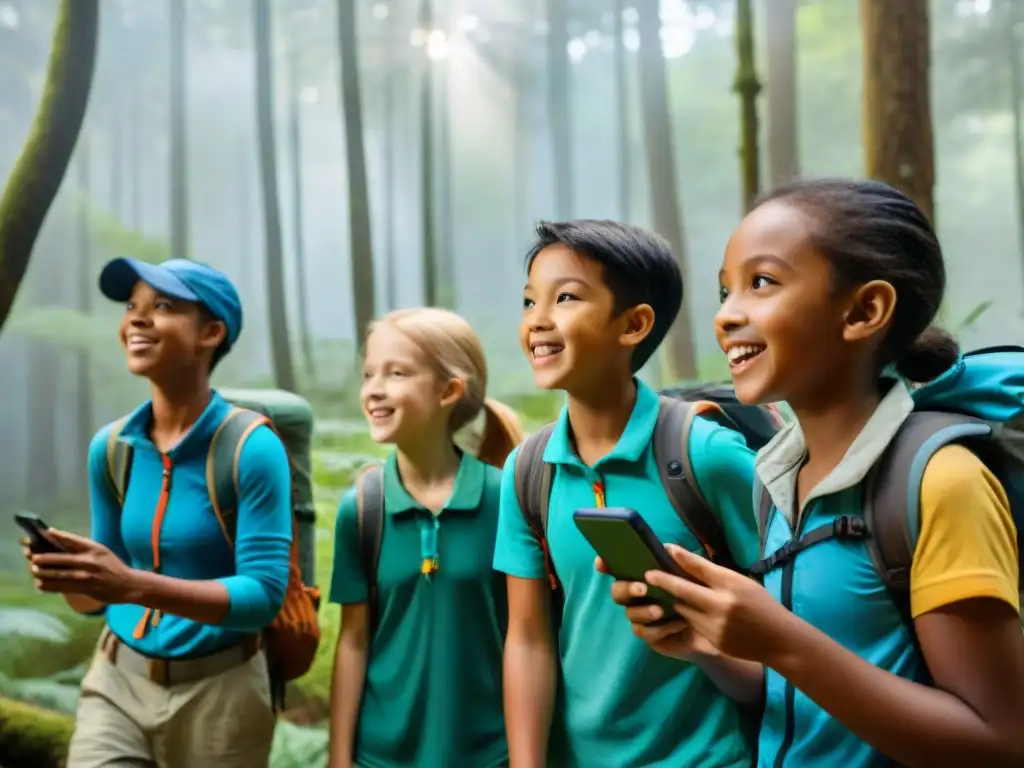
(417, 675)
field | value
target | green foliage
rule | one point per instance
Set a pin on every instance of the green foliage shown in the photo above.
(971, 318)
(298, 747)
(32, 735)
(26, 634)
(113, 237)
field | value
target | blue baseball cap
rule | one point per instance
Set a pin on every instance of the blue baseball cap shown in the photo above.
(180, 279)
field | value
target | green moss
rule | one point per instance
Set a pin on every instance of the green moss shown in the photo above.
(33, 736)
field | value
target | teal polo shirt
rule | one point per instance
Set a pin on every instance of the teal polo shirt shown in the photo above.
(432, 696)
(191, 541)
(625, 706)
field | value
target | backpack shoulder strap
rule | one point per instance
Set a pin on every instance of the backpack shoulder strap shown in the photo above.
(222, 465)
(533, 487)
(672, 455)
(892, 497)
(763, 507)
(370, 523)
(119, 461)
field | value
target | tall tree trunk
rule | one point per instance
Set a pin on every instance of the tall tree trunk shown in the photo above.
(37, 175)
(446, 254)
(361, 241)
(117, 151)
(277, 313)
(780, 41)
(898, 140)
(661, 174)
(86, 286)
(624, 169)
(179, 132)
(244, 202)
(1013, 45)
(518, 83)
(747, 86)
(559, 106)
(135, 129)
(427, 200)
(391, 267)
(298, 228)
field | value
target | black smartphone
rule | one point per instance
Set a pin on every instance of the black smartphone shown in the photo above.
(629, 548)
(36, 529)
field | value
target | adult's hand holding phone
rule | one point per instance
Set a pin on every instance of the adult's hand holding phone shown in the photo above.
(86, 568)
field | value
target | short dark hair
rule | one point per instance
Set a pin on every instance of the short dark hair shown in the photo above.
(870, 230)
(206, 317)
(638, 266)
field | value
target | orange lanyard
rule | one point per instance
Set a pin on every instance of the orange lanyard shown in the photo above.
(598, 488)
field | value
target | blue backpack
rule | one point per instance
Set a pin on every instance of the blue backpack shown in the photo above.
(977, 403)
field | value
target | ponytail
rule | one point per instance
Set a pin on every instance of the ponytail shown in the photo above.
(928, 356)
(495, 439)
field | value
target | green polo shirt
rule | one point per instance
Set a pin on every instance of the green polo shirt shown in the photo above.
(433, 683)
(623, 705)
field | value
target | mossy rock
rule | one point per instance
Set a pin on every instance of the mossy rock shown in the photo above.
(31, 737)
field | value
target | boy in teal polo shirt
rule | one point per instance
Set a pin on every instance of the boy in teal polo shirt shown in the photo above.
(600, 298)
(180, 678)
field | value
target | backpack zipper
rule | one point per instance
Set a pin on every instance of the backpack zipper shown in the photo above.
(158, 519)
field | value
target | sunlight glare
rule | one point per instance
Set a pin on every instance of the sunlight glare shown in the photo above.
(468, 23)
(380, 11)
(437, 45)
(417, 38)
(577, 49)
(631, 40)
(9, 17)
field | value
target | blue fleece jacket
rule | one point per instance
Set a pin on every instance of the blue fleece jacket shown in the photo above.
(191, 541)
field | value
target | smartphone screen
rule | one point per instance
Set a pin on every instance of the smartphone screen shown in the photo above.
(628, 547)
(34, 526)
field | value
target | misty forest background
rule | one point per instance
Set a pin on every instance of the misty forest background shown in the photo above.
(341, 158)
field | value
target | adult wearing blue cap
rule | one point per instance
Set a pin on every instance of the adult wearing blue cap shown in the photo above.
(179, 678)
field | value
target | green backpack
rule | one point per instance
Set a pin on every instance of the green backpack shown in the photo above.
(290, 416)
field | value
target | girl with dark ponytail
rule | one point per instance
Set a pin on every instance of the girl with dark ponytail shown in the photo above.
(829, 290)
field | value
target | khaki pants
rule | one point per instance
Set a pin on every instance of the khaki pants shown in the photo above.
(223, 720)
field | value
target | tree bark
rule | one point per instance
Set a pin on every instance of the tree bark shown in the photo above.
(38, 173)
(1013, 46)
(86, 286)
(661, 174)
(898, 139)
(624, 166)
(391, 268)
(783, 138)
(747, 86)
(284, 374)
(361, 261)
(559, 106)
(298, 210)
(428, 209)
(179, 133)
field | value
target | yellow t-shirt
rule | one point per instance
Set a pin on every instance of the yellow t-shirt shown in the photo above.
(967, 546)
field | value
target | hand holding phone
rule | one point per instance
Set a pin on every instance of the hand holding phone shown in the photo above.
(36, 529)
(630, 549)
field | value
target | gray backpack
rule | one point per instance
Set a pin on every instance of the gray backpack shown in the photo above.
(671, 442)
